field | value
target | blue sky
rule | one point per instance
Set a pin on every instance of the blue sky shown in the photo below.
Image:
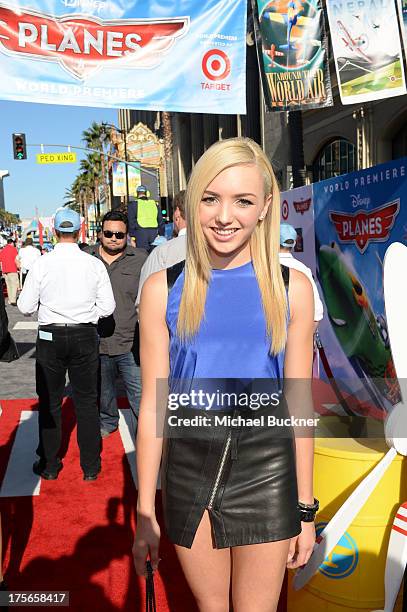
(31, 184)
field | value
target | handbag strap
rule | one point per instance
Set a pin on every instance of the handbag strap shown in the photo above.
(150, 593)
(173, 272)
(285, 271)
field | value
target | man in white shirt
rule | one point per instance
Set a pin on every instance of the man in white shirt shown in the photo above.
(171, 252)
(27, 256)
(288, 238)
(71, 291)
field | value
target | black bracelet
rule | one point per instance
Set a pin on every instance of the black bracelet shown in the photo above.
(314, 506)
(308, 511)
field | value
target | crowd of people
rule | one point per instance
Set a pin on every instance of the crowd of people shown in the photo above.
(215, 302)
(15, 264)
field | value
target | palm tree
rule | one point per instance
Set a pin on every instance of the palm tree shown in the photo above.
(81, 194)
(98, 137)
(72, 198)
(8, 218)
(91, 167)
(168, 137)
(296, 137)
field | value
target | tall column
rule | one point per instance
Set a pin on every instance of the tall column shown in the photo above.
(251, 121)
(124, 119)
(370, 144)
(184, 149)
(211, 130)
(3, 174)
(197, 136)
(227, 126)
(296, 135)
(361, 143)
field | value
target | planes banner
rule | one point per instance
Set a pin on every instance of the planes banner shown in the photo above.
(151, 55)
(292, 52)
(367, 50)
(357, 216)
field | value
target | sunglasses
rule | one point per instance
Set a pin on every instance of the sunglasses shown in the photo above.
(109, 234)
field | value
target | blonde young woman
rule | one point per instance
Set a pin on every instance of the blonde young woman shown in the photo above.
(238, 502)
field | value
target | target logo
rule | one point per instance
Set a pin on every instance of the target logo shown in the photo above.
(216, 65)
(285, 210)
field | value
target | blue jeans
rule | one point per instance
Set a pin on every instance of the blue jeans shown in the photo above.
(110, 367)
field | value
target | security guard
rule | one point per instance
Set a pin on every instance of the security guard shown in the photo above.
(145, 220)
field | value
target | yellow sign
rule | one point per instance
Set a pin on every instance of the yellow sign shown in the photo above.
(56, 158)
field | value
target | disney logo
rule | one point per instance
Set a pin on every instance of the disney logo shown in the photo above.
(358, 201)
(89, 4)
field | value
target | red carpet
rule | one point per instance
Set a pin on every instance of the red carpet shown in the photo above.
(77, 536)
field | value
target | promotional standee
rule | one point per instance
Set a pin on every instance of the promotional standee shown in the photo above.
(360, 225)
(176, 56)
(357, 216)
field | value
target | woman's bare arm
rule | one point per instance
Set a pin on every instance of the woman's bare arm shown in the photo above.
(154, 357)
(297, 375)
(297, 388)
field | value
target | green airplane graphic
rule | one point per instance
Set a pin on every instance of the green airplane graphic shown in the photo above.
(362, 336)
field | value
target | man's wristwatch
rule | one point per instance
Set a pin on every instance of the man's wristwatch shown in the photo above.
(308, 511)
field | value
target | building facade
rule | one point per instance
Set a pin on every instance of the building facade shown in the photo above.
(323, 142)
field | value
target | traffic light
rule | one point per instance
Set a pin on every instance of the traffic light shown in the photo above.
(163, 207)
(19, 146)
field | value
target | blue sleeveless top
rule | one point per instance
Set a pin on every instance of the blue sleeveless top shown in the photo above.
(231, 342)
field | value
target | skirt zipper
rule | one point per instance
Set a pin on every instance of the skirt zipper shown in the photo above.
(220, 471)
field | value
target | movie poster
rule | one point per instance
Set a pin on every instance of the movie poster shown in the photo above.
(292, 52)
(357, 216)
(402, 8)
(367, 50)
(119, 178)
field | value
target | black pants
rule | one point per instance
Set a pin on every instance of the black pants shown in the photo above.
(74, 350)
(145, 236)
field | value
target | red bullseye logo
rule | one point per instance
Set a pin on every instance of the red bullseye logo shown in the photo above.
(285, 210)
(216, 65)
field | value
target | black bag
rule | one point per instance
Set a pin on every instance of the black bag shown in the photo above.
(8, 349)
(151, 605)
(136, 344)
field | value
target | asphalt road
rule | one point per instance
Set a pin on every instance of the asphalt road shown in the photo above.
(17, 379)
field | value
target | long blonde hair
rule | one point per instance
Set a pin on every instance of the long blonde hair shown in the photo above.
(264, 242)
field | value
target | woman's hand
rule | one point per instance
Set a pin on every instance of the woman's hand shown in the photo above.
(146, 543)
(301, 546)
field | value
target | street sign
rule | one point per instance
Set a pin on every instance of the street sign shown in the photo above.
(56, 158)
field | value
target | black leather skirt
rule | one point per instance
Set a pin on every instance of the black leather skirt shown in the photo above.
(241, 471)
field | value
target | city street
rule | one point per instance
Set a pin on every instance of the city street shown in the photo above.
(17, 379)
